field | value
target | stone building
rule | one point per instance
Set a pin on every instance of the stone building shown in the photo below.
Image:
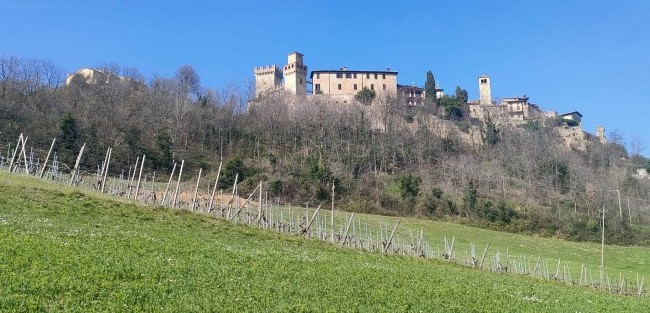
(508, 109)
(292, 78)
(344, 84)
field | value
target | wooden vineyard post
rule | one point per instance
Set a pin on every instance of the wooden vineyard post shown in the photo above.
(108, 162)
(178, 184)
(245, 202)
(640, 292)
(214, 189)
(451, 248)
(602, 250)
(23, 152)
(162, 202)
(332, 218)
(259, 208)
(536, 265)
(76, 164)
(196, 189)
(311, 220)
(13, 156)
(418, 247)
(390, 239)
(137, 186)
(100, 174)
(232, 199)
(50, 151)
(480, 264)
(132, 177)
(347, 229)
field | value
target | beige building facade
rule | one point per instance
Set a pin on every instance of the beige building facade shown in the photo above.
(345, 84)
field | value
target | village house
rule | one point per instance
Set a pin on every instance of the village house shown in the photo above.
(414, 95)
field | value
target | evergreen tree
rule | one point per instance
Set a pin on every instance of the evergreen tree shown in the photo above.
(430, 88)
(461, 94)
(70, 135)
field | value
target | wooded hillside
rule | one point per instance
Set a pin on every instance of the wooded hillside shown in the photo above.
(383, 158)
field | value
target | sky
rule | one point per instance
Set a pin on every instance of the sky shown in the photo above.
(566, 55)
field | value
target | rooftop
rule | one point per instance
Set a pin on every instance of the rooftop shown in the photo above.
(344, 70)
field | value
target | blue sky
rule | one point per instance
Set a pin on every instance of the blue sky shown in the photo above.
(589, 56)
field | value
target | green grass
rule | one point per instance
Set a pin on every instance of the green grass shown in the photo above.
(62, 250)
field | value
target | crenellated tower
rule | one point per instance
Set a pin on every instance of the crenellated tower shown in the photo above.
(267, 78)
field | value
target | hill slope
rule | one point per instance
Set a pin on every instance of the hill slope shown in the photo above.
(65, 250)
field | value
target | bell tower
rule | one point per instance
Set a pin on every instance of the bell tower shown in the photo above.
(295, 74)
(485, 95)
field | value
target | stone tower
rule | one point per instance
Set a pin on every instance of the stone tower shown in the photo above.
(485, 95)
(600, 134)
(295, 74)
(267, 78)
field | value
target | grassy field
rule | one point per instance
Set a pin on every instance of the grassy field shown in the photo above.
(65, 250)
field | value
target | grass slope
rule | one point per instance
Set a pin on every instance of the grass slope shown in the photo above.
(65, 250)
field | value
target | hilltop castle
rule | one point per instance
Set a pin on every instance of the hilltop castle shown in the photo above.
(341, 85)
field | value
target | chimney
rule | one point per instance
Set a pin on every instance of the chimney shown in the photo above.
(344, 68)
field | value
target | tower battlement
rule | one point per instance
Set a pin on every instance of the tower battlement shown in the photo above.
(267, 78)
(266, 69)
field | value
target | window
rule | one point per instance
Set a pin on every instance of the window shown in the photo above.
(317, 87)
(372, 86)
(383, 87)
(355, 75)
(355, 86)
(375, 76)
(339, 86)
(318, 75)
(348, 75)
(383, 76)
(301, 80)
(367, 75)
(339, 75)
